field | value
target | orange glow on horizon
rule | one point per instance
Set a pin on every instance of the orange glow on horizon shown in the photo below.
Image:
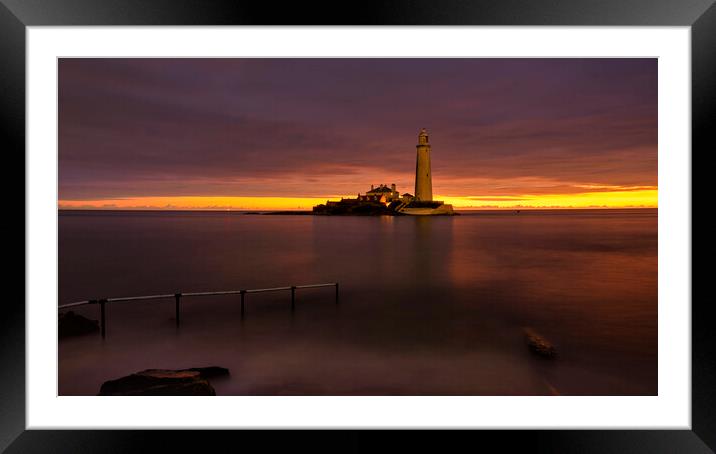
(197, 203)
(647, 198)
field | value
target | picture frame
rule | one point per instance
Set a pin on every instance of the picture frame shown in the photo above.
(16, 15)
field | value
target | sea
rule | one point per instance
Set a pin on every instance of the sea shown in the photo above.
(426, 305)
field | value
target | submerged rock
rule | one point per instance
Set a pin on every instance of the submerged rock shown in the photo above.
(164, 382)
(72, 324)
(538, 344)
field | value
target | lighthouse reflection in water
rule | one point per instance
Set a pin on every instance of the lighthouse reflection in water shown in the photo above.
(428, 305)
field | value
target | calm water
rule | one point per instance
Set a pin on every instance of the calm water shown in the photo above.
(427, 305)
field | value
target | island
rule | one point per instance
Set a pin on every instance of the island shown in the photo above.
(383, 200)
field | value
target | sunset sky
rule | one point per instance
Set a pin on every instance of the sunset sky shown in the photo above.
(291, 133)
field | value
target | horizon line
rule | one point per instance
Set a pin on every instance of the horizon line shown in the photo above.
(301, 210)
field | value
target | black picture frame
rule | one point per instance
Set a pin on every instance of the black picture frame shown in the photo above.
(16, 15)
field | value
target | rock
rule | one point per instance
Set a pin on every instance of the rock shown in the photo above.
(353, 207)
(538, 344)
(160, 382)
(71, 324)
(208, 372)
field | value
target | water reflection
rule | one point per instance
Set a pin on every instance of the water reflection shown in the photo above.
(428, 305)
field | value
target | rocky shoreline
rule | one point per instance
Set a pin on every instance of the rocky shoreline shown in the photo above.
(72, 324)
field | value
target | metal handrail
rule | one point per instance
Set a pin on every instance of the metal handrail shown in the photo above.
(177, 297)
(173, 295)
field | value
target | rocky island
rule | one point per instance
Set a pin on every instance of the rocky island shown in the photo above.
(384, 200)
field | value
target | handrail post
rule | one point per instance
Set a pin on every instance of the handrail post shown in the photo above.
(103, 324)
(293, 298)
(243, 293)
(177, 297)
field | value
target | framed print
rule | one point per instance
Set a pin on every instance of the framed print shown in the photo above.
(454, 216)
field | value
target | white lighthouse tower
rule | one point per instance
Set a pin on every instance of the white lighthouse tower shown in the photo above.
(423, 176)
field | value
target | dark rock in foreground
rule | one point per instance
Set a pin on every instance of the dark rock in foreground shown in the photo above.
(539, 345)
(163, 382)
(208, 372)
(72, 324)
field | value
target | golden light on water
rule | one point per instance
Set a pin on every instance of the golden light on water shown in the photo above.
(647, 198)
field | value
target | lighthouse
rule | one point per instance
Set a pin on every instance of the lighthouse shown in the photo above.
(384, 200)
(423, 176)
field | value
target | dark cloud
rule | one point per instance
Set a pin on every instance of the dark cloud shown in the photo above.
(247, 127)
